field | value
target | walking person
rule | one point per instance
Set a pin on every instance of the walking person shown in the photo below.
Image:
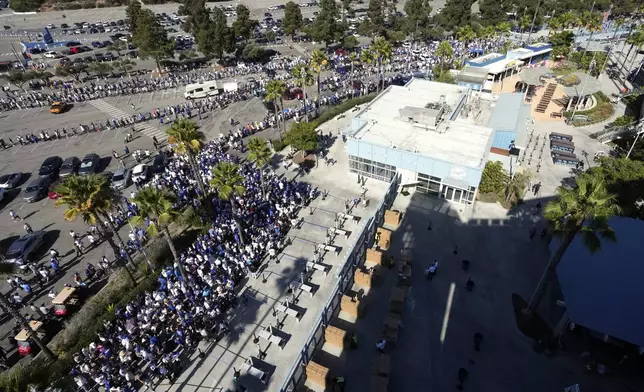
(431, 271)
(28, 228)
(78, 248)
(14, 216)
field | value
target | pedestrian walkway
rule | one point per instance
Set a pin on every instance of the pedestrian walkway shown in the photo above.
(115, 112)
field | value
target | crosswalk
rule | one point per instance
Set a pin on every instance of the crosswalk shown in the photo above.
(115, 113)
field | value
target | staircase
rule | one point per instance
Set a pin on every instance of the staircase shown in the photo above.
(546, 97)
(562, 102)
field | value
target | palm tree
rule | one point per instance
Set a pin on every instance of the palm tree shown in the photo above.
(487, 32)
(465, 33)
(368, 56)
(382, 50)
(93, 199)
(302, 75)
(318, 63)
(260, 154)
(229, 183)
(275, 90)
(567, 19)
(503, 28)
(187, 139)
(444, 52)
(157, 210)
(353, 58)
(584, 209)
(11, 269)
(636, 40)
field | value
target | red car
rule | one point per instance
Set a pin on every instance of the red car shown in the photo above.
(52, 194)
(294, 93)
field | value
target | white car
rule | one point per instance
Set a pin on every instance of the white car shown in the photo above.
(140, 173)
(108, 29)
(51, 55)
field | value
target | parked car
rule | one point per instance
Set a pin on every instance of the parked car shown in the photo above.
(50, 167)
(22, 249)
(121, 178)
(37, 189)
(51, 55)
(71, 44)
(97, 44)
(159, 163)
(70, 166)
(140, 173)
(9, 181)
(89, 164)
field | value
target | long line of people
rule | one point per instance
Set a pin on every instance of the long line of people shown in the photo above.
(408, 58)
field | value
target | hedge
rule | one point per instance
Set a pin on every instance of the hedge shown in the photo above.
(341, 108)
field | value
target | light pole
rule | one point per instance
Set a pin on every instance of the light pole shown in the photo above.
(534, 18)
(640, 127)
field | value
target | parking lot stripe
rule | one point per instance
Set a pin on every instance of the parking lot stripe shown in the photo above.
(25, 113)
(129, 98)
(45, 202)
(53, 144)
(12, 113)
(151, 96)
(101, 138)
(86, 136)
(175, 93)
(69, 141)
(117, 99)
(35, 147)
(140, 98)
(22, 206)
(16, 151)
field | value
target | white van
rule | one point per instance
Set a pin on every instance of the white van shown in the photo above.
(201, 90)
(230, 87)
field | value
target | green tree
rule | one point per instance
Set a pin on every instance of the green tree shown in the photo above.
(417, 15)
(229, 183)
(302, 136)
(25, 5)
(516, 185)
(19, 78)
(151, 38)
(445, 53)
(350, 42)
(442, 75)
(10, 269)
(252, 53)
(260, 154)
(562, 43)
(465, 33)
(212, 34)
(292, 22)
(73, 70)
(271, 36)
(625, 179)
(100, 69)
(92, 199)
(622, 121)
(503, 27)
(492, 12)
(243, 25)
(493, 178)
(275, 90)
(584, 209)
(133, 12)
(636, 40)
(157, 210)
(326, 27)
(456, 13)
(376, 14)
(318, 63)
(382, 51)
(303, 78)
(125, 66)
(187, 140)
(118, 46)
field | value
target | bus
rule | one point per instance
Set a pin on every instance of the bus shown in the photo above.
(562, 146)
(560, 136)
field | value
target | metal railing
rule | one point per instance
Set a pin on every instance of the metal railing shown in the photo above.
(345, 273)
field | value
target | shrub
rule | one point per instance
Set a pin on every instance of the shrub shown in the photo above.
(331, 112)
(278, 145)
(602, 111)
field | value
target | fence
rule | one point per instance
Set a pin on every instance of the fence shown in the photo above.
(345, 272)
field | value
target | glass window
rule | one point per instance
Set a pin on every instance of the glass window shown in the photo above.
(437, 179)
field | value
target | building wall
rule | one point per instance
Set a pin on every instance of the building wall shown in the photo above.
(416, 163)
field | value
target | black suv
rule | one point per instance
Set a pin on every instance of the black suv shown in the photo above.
(50, 167)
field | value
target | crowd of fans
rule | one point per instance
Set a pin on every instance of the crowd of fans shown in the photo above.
(145, 342)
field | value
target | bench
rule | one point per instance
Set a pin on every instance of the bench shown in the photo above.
(268, 335)
(333, 230)
(330, 248)
(289, 311)
(251, 368)
(556, 115)
(317, 266)
(303, 286)
(353, 218)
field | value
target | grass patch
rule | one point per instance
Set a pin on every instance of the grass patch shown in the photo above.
(333, 111)
(564, 70)
(602, 111)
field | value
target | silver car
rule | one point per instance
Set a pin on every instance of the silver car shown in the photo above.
(21, 251)
(121, 178)
(37, 189)
(10, 181)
